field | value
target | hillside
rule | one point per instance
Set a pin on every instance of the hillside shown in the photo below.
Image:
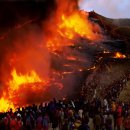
(59, 54)
(116, 27)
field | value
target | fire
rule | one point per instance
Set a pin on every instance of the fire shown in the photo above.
(19, 84)
(19, 79)
(67, 73)
(70, 24)
(106, 52)
(72, 58)
(24, 75)
(92, 68)
(119, 55)
(5, 105)
(77, 24)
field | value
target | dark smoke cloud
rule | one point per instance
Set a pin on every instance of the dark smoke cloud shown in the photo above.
(17, 14)
(13, 12)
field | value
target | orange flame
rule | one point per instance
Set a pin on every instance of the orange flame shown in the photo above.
(66, 26)
(119, 55)
(77, 23)
(5, 105)
(71, 58)
(19, 84)
(69, 24)
(19, 79)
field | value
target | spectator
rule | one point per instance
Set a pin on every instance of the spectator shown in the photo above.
(97, 121)
(126, 122)
(39, 125)
(19, 125)
(46, 122)
(61, 117)
(108, 122)
(13, 122)
(84, 125)
(55, 120)
(80, 112)
(65, 125)
(28, 122)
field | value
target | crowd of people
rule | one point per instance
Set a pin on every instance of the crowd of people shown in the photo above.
(104, 113)
(113, 91)
(69, 115)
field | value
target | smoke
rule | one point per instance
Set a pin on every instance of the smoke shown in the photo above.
(24, 48)
(108, 8)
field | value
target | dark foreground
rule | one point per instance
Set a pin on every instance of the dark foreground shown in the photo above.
(78, 114)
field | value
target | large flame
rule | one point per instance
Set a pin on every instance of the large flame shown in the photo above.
(19, 79)
(23, 75)
(18, 85)
(78, 24)
(70, 24)
(6, 105)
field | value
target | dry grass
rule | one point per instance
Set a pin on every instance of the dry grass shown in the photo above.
(125, 94)
(123, 31)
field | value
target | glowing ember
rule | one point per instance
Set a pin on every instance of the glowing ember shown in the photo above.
(67, 72)
(71, 58)
(92, 68)
(67, 65)
(119, 55)
(106, 52)
(80, 70)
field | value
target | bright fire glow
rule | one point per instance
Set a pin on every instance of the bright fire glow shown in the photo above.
(69, 25)
(64, 28)
(19, 79)
(119, 55)
(5, 105)
(71, 58)
(77, 23)
(19, 84)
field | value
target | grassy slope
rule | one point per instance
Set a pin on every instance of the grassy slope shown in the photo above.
(118, 26)
(125, 94)
(122, 28)
(116, 22)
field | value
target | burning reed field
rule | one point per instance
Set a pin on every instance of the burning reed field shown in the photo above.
(53, 49)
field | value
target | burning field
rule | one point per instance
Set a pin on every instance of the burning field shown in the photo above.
(42, 59)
